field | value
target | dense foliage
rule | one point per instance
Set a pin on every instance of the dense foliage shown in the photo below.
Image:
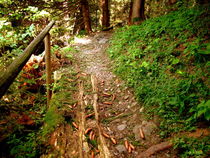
(166, 61)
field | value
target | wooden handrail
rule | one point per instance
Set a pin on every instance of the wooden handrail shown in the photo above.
(48, 68)
(8, 76)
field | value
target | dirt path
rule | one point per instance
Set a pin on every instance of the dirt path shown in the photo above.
(120, 117)
(92, 58)
(109, 122)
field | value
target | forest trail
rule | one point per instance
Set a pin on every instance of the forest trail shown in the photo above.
(108, 122)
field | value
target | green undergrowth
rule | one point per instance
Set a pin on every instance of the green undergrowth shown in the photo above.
(166, 61)
(192, 147)
(62, 98)
(26, 143)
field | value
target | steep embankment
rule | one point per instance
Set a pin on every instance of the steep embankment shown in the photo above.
(166, 61)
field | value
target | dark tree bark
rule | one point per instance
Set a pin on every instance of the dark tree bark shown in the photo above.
(86, 15)
(130, 13)
(138, 11)
(203, 1)
(79, 22)
(171, 2)
(105, 19)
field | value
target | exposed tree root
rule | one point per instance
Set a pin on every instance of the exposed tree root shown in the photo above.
(155, 148)
(81, 117)
(104, 151)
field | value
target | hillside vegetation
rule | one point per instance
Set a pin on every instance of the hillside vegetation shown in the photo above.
(166, 61)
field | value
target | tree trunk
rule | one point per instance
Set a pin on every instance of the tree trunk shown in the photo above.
(79, 22)
(171, 2)
(130, 13)
(138, 11)
(105, 19)
(86, 15)
(202, 1)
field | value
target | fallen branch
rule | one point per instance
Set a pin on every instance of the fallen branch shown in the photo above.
(155, 148)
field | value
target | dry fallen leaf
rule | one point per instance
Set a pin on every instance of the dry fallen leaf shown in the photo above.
(107, 103)
(105, 135)
(75, 125)
(132, 147)
(89, 115)
(113, 97)
(141, 133)
(106, 94)
(88, 130)
(126, 144)
(91, 135)
(69, 106)
(129, 149)
(75, 104)
(97, 151)
(92, 154)
(113, 140)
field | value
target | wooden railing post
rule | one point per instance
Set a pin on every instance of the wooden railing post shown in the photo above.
(8, 75)
(48, 68)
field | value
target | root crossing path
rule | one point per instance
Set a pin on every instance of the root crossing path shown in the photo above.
(107, 121)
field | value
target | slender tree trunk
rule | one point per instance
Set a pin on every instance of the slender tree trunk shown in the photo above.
(105, 19)
(86, 15)
(138, 11)
(130, 13)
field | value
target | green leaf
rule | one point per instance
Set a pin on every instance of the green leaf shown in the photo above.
(175, 61)
(203, 109)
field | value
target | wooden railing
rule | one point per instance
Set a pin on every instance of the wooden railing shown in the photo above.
(8, 76)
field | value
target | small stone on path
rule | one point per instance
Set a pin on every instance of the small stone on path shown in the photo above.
(120, 148)
(147, 127)
(103, 41)
(121, 127)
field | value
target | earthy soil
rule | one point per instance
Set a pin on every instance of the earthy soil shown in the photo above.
(116, 123)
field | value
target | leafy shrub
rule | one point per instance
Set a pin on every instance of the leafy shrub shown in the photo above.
(25, 146)
(189, 147)
(12, 43)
